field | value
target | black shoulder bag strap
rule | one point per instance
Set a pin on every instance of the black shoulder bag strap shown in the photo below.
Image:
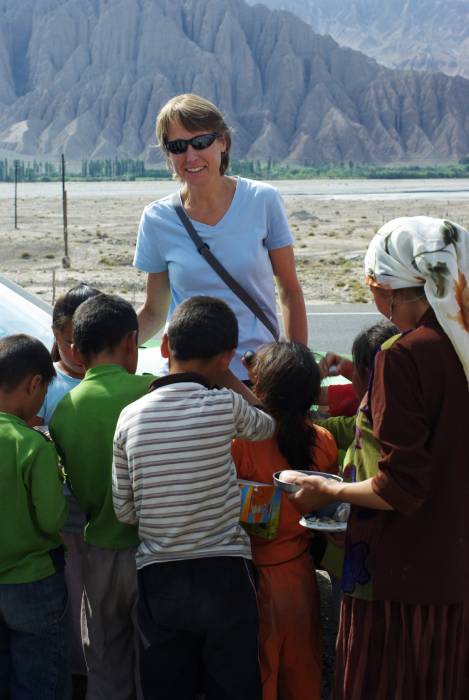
(216, 265)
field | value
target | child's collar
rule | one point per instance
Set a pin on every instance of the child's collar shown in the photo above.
(178, 378)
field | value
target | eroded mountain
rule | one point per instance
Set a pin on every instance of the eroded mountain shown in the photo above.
(87, 77)
(411, 34)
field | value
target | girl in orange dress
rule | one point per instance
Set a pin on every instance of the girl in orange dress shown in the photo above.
(287, 380)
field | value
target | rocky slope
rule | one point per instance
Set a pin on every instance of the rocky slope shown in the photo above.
(88, 77)
(418, 34)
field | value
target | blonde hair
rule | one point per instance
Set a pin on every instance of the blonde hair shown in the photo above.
(194, 113)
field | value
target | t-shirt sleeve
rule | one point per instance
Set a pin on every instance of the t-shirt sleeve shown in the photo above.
(342, 400)
(342, 428)
(278, 230)
(122, 492)
(406, 467)
(148, 256)
(50, 507)
(250, 422)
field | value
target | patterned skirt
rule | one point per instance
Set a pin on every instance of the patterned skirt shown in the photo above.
(397, 651)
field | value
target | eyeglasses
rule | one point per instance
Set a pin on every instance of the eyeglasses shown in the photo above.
(200, 142)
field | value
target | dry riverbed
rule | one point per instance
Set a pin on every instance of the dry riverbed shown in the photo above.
(331, 237)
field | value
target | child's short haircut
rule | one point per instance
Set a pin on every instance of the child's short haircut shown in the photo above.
(65, 307)
(22, 356)
(368, 342)
(68, 303)
(202, 327)
(101, 323)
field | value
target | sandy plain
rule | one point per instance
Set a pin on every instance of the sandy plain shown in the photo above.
(331, 236)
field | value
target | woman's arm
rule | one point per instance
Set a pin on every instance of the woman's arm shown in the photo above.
(292, 302)
(317, 492)
(152, 315)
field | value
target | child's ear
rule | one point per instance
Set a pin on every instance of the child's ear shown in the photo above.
(164, 348)
(35, 383)
(77, 356)
(131, 351)
(131, 341)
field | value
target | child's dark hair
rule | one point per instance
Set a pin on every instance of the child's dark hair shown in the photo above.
(101, 323)
(287, 380)
(22, 356)
(367, 342)
(65, 307)
(202, 327)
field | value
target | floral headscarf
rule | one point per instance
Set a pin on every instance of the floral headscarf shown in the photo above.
(432, 253)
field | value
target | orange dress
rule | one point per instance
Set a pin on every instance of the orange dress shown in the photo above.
(289, 626)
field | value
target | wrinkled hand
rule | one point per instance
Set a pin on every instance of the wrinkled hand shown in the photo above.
(315, 492)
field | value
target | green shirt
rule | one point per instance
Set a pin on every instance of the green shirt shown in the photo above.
(355, 434)
(83, 427)
(32, 504)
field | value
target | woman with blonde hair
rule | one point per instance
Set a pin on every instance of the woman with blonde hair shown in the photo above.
(240, 222)
(404, 626)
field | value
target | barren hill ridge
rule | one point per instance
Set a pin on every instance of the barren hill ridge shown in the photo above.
(88, 77)
(412, 34)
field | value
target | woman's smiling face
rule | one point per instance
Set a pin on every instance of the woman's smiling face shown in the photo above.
(195, 167)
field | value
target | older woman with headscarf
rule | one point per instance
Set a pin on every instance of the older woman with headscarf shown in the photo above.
(404, 627)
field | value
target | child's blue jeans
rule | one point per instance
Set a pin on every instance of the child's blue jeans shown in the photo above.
(33, 659)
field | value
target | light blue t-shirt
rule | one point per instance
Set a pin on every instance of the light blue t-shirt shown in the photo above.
(60, 385)
(254, 224)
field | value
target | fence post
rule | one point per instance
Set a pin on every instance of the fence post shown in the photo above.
(65, 259)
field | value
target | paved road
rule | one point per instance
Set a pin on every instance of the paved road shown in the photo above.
(334, 326)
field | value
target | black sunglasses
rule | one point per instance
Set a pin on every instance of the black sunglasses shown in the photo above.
(179, 146)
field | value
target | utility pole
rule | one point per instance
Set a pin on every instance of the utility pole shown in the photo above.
(65, 259)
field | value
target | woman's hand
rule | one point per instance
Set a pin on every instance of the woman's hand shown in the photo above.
(316, 492)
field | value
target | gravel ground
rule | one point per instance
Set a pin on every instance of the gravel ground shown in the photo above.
(331, 237)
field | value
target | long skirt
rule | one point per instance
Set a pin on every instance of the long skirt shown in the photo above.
(396, 651)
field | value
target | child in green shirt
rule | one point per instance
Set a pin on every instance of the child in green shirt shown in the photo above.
(104, 334)
(355, 433)
(33, 596)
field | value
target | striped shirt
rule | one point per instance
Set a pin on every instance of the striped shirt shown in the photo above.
(173, 473)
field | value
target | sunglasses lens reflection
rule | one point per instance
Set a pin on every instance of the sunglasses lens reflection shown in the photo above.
(179, 146)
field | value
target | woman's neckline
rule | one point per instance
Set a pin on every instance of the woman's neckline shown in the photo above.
(226, 212)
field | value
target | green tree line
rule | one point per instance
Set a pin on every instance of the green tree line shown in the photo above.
(128, 169)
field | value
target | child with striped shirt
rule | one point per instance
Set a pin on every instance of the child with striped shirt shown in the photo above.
(173, 476)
